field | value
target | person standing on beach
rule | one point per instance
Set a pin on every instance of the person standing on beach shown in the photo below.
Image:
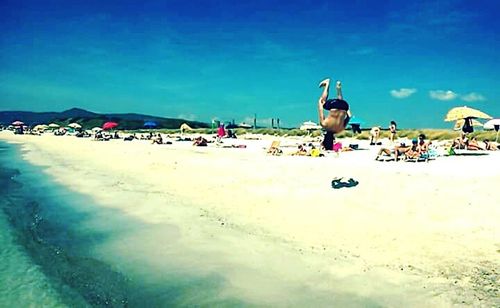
(221, 132)
(392, 129)
(338, 113)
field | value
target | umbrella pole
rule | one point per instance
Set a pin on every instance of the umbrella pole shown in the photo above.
(496, 139)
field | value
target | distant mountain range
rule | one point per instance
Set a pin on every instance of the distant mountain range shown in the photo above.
(91, 119)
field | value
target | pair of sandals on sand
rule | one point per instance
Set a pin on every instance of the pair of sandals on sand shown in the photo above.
(340, 182)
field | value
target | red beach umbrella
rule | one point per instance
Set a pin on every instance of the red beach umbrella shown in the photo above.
(17, 123)
(109, 125)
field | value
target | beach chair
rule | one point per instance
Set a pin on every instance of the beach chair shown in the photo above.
(274, 149)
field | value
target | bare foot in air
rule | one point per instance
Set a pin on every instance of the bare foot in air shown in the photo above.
(339, 84)
(324, 83)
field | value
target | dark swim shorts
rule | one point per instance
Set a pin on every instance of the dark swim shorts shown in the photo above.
(336, 103)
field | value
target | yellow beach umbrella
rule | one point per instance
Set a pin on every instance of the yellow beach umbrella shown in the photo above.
(460, 123)
(464, 112)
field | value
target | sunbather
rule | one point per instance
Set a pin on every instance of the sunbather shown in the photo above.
(301, 151)
(338, 115)
(398, 151)
(424, 146)
(200, 142)
(490, 146)
(473, 145)
(414, 151)
(157, 140)
(460, 142)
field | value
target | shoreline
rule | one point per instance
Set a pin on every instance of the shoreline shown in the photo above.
(378, 229)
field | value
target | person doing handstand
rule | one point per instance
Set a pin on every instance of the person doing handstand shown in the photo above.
(338, 115)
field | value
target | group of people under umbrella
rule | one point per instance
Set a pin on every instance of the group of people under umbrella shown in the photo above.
(466, 118)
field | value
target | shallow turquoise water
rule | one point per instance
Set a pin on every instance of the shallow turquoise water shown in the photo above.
(48, 237)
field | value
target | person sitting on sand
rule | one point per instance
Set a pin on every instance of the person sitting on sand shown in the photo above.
(424, 146)
(414, 151)
(460, 142)
(301, 151)
(490, 146)
(231, 134)
(200, 142)
(157, 140)
(338, 112)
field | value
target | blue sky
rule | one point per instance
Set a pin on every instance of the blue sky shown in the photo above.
(408, 61)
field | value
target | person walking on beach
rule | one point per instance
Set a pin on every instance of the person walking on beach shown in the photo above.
(392, 129)
(338, 112)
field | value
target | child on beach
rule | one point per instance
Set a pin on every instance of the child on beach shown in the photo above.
(338, 115)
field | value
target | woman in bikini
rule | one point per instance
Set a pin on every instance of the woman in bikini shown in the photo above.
(392, 129)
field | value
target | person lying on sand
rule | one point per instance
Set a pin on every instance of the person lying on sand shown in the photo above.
(398, 151)
(338, 111)
(473, 145)
(490, 146)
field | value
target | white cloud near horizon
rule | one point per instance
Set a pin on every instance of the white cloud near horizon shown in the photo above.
(403, 92)
(473, 97)
(443, 95)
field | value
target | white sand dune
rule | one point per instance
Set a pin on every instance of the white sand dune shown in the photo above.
(411, 234)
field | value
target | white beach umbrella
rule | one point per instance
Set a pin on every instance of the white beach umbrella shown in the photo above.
(75, 125)
(493, 124)
(40, 127)
(53, 125)
(96, 129)
(309, 125)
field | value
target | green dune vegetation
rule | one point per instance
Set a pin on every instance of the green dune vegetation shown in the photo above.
(432, 134)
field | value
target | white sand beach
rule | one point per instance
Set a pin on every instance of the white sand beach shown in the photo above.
(410, 234)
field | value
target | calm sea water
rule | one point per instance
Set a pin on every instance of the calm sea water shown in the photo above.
(59, 248)
(48, 240)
